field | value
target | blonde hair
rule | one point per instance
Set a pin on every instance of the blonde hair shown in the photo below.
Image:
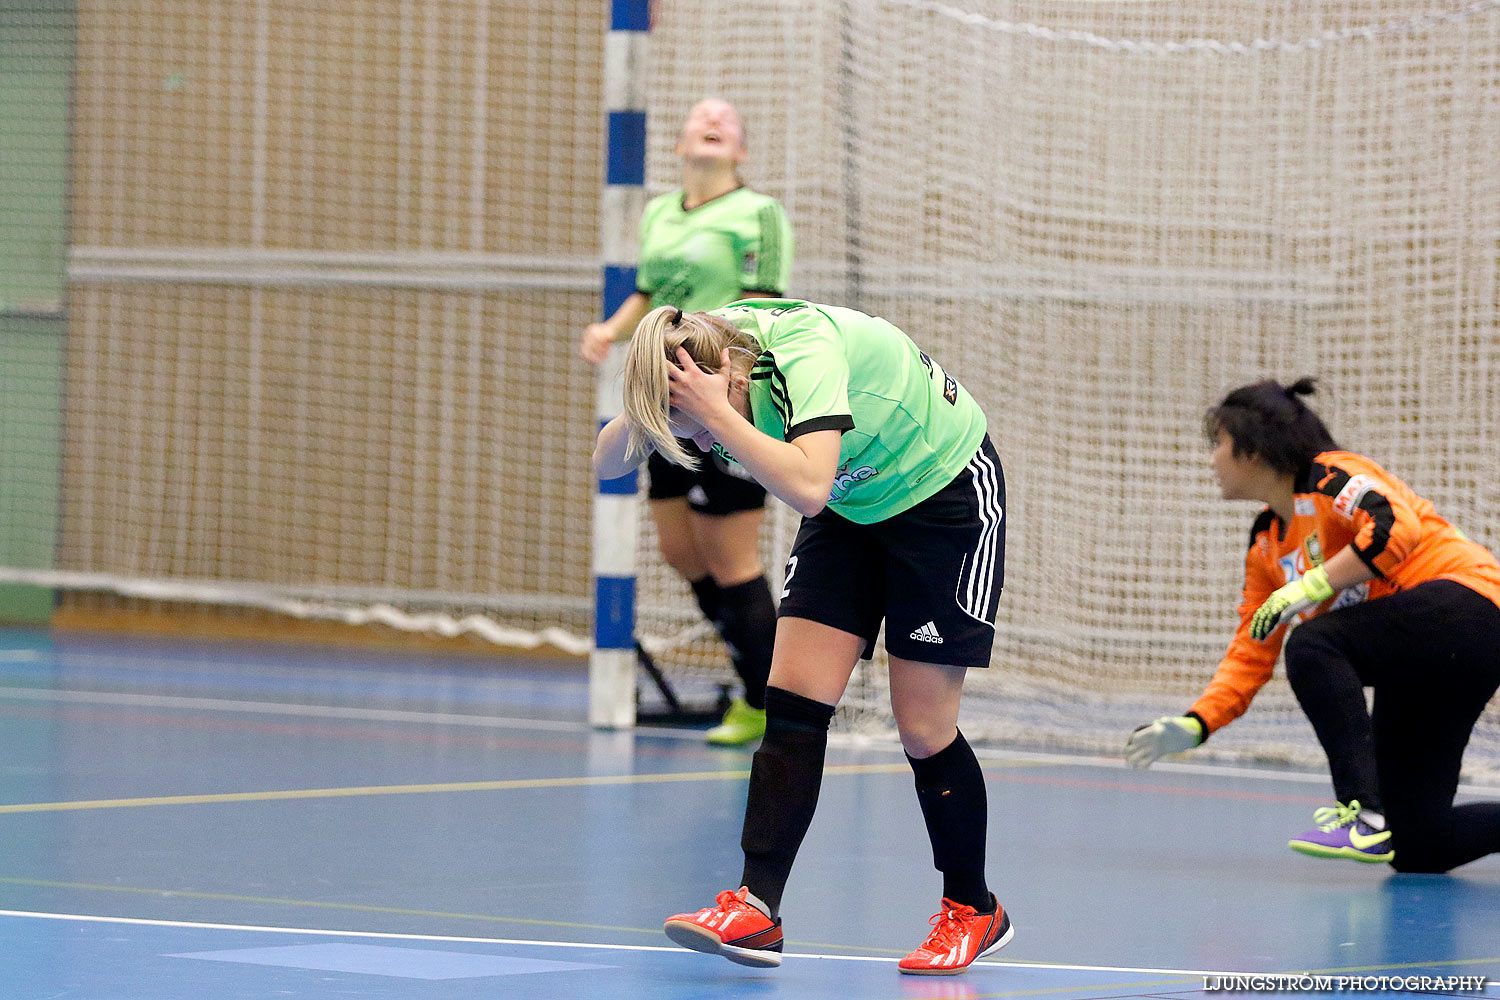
(647, 390)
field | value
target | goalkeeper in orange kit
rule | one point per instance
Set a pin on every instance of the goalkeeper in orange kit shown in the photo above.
(1390, 596)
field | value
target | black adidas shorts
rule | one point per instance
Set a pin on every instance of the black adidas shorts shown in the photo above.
(715, 488)
(932, 573)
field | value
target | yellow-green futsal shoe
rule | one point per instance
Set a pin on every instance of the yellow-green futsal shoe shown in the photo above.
(741, 725)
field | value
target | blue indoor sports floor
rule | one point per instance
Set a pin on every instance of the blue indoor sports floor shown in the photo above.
(191, 819)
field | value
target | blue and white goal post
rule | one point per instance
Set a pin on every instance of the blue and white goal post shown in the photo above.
(612, 663)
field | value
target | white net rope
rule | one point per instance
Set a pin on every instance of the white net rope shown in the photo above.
(330, 267)
(1104, 216)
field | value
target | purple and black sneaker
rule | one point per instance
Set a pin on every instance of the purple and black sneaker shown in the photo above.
(1340, 833)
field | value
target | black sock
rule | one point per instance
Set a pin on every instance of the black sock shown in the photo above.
(785, 777)
(950, 787)
(747, 621)
(706, 591)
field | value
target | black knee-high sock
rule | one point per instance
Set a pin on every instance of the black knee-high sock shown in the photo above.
(950, 787)
(785, 777)
(706, 591)
(747, 621)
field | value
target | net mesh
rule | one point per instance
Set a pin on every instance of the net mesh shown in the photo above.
(1104, 216)
(330, 262)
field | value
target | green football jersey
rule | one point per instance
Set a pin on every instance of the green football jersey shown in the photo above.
(908, 426)
(715, 253)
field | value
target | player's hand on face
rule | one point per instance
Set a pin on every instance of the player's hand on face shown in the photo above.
(696, 393)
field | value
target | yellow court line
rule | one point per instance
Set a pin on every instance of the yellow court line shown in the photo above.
(399, 911)
(452, 786)
(1355, 969)
(1179, 977)
(319, 905)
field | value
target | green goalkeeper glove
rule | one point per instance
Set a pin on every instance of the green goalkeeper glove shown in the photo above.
(1302, 593)
(1169, 734)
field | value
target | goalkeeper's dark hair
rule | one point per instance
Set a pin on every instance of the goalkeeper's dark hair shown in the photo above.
(1269, 421)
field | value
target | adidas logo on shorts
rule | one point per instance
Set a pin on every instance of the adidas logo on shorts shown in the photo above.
(927, 633)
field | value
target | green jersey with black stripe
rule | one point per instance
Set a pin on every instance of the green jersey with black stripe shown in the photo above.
(719, 251)
(908, 426)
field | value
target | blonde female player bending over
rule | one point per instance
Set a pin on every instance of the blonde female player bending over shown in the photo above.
(887, 458)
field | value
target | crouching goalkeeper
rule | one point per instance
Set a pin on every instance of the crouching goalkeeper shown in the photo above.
(1389, 596)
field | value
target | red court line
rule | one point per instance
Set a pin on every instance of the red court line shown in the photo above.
(360, 731)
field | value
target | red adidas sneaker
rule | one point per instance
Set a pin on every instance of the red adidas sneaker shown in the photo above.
(960, 934)
(733, 927)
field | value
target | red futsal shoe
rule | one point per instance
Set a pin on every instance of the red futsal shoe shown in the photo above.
(960, 934)
(733, 927)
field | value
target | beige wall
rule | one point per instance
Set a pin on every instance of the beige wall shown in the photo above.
(296, 427)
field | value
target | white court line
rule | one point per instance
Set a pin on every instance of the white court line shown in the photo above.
(389, 936)
(845, 740)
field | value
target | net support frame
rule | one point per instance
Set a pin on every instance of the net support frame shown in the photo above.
(612, 661)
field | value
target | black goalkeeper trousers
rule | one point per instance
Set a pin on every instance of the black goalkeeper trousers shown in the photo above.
(1432, 656)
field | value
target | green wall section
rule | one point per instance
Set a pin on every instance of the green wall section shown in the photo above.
(36, 56)
(36, 45)
(30, 387)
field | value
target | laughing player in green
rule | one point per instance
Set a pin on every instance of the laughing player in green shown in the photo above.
(708, 243)
(887, 458)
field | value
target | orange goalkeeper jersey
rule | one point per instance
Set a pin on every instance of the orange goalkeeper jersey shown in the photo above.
(1345, 499)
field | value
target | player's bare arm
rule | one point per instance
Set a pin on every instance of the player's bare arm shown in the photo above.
(611, 447)
(799, 473)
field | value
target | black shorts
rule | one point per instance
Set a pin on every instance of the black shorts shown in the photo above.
(932, 573)
(715, 488)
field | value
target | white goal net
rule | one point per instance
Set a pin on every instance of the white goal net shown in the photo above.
(330, 264)
(1104, 216)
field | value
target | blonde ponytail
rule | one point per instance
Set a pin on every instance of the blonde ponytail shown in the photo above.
(647, 391)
